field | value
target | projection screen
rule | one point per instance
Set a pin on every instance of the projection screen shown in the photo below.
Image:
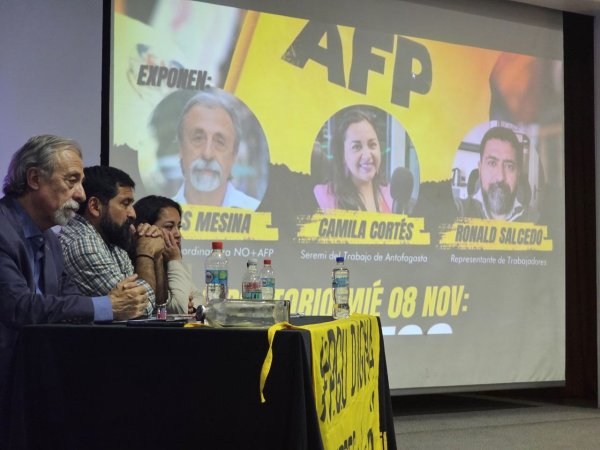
(422, 143)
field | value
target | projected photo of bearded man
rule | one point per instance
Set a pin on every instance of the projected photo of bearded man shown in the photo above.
(499, 171)
(209, 136)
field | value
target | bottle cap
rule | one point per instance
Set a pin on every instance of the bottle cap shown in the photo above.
(267, 261)
(201, 313)
(217, 245)
(339, 259)
(252, 261)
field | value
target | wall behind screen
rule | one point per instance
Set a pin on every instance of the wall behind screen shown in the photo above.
(51, 72)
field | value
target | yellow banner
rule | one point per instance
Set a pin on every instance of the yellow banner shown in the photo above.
(483, 234)
(345, 365)
(360, 227)
(201, 222)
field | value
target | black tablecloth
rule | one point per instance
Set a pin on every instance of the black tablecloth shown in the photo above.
(112, 386)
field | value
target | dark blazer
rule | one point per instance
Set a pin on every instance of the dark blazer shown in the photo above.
(19, 303)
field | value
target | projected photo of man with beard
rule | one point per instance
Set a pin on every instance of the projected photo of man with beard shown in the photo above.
(491, 179)
(223, 153)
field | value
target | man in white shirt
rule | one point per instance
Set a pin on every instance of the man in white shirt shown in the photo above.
(209, 137)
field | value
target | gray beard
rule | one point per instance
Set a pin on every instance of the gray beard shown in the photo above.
(67, 210)
(499, 199)
(205, 183)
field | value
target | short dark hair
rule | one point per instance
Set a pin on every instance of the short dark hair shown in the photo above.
(103, 182)
(506, 135)
(147, 209)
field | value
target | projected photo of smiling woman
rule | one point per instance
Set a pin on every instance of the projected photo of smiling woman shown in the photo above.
(223, 153)
(353, 160)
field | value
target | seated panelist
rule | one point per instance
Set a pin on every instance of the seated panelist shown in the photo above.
(165, 214)
(97, 239)
(43, 188)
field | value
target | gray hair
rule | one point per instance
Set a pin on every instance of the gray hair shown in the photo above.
(213, 98)
(39, 152)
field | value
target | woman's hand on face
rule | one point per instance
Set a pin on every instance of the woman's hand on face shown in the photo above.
(171, 251)
(145, 229)
(191, 308)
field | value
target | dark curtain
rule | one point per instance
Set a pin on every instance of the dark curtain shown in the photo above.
(580, 198)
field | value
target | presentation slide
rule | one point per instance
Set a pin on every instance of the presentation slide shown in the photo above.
(432, 164)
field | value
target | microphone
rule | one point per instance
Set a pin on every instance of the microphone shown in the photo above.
(401, 187)
(473, 183)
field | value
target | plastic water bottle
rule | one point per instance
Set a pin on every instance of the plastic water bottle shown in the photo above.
(251, 285)
(216, 273)
(267, 279)
(340, 283)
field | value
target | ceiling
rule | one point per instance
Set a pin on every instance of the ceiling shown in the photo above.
(589, 7)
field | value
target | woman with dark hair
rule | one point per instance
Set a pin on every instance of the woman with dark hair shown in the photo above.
(358, 183)
(166, 215)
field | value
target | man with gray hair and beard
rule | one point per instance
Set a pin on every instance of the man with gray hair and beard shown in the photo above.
(209, 136)
(43, 188)
(501, 158)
